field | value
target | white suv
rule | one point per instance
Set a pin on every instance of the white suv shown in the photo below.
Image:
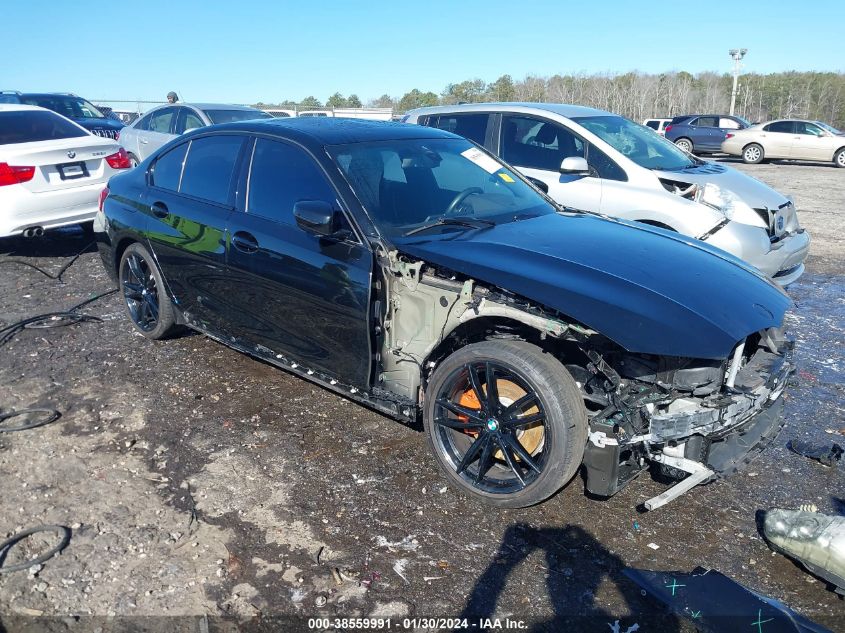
(51, 170)
(598, 161)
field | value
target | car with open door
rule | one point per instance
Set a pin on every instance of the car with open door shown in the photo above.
(409, 270)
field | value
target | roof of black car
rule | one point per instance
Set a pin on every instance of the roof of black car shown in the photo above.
(336, 131)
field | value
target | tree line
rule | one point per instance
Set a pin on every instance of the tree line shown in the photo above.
(636, 95)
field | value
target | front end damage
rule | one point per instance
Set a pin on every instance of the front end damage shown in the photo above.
(701, 418)
(696, 417)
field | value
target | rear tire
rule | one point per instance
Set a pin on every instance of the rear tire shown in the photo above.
(752, 154)
(520, 446)
(839, 158)
(144, 293)
(685, 144)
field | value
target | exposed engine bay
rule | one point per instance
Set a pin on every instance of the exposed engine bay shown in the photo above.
(698, 417)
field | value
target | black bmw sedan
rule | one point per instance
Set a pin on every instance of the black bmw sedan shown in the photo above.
(408, 269)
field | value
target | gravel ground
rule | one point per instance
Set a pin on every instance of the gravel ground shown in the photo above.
(198, 481)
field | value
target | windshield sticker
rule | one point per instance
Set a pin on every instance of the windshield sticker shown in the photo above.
(482, 160)
(505, 177)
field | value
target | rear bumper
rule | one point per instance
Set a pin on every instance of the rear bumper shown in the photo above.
(22, 209)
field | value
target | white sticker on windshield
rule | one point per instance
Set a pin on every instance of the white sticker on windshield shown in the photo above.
(482, 160)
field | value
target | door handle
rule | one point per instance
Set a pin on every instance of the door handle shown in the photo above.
(160, 210)
(144, 141)
(245, 242)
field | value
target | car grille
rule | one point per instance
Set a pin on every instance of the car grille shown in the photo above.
(106, 133)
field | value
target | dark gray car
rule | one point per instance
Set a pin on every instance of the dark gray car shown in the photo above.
(702, 133)
(166, 122)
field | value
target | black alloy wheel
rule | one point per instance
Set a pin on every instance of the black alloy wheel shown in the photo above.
(146, 299)
(506, 422)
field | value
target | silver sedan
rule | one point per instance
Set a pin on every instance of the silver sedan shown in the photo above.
(166, 122)
(789, 138)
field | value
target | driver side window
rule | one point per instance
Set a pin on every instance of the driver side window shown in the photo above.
(530, 142)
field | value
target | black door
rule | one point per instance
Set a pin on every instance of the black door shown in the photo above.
(191, 199)
(294, 293)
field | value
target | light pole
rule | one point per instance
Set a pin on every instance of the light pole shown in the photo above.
(736, 54)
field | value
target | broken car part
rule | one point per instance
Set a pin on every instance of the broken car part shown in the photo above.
(7, 545)
(826, 455)
(715, 603)
(815, 540)
(515, 331)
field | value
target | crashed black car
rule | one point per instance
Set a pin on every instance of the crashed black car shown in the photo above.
(409, 270)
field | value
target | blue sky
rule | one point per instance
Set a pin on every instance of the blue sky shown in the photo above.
(245, 51)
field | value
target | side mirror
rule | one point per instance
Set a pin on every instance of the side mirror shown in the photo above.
(316, 217)
(575, 165)
(538, 183)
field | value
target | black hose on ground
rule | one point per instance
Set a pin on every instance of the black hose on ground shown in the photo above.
(57, 276)
(49, 415)
(6, 545)
(52, 319)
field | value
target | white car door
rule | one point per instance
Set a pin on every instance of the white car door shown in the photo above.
(159, 131)
(537, 146)
(810, 142)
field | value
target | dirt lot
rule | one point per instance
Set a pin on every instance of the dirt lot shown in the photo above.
(198, 481)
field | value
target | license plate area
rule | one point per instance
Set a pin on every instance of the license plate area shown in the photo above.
(779, 222)
(72, 171)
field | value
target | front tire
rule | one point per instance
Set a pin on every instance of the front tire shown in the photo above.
(685, 144)
(516, 444)
(144, 294)
(752, 154)
(839, 158)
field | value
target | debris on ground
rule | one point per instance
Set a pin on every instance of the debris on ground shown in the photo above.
(716, 603)
(815, 540)
(827, 455)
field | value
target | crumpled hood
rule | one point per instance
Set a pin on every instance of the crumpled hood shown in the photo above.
(649, 290)
(754, 193)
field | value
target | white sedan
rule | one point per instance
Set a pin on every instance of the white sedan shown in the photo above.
(51, 170)
(789, 138)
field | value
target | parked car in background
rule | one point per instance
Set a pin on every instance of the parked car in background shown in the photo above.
(795, 139)
(658, 125)
(52, 170)
(594, 160)
(281, 113)
(407, 269)
(316, 113)
(70, 106)
(165, 122)
(702, 133)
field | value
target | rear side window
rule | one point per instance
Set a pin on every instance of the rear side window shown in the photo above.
(280, 176)
(654, 125)
(706, 121)
(729, 124)
(471, 126)
(209, 167)
(160, 120)
(167, 170)
(144, 122)
(26, 126)
(230, 116)
(786, 127)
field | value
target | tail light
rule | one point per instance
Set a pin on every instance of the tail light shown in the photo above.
(103, 195)
(667, 128)
(120, 160)
(13, 175)
(729, 135)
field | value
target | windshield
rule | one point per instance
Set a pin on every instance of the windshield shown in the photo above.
(827, 127)
(71, 107)
(637, 142)
(232, 116)
(406, 184)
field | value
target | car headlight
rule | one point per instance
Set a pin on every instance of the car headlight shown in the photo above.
(728, 204)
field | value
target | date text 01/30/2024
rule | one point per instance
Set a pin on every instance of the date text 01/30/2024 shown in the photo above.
(413, 624)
